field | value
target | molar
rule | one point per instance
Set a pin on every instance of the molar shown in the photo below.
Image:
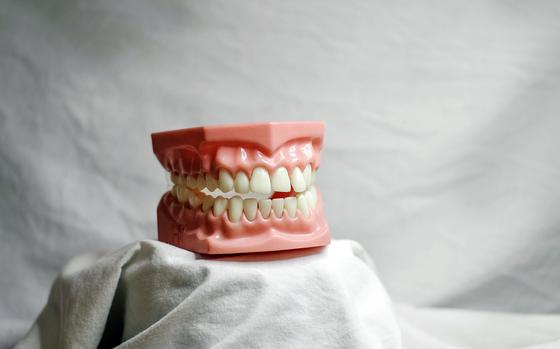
(182, 194)
(191, 182)
(211, 182)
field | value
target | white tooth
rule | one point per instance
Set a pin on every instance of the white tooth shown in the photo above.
(298, 182)
(194, 200)
(211, 182)
(201, 182)
(191, 182)
(280, 180)
(307, 173)
(182, 194)
(235, 208)
(260, 181)
(175, 178)
(225, 182)
(250, 208)
(309, 198)
(241, 183)
(290, 204)
(302, 205)
(173, 190)
(278, 207)
(313, 175)
(182, 180)
(220, 205)
(207, 202)
(313, 192)
(264, 207)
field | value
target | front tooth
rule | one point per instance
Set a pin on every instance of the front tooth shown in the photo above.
(241, 183)
(307, 174)
(280, 180)
(260, 181)
(313, 192)
(250, 208)
(290, 204)
(264, 207)
(225, 181)
(194, 200)
(201, 182)
(298, 182)
(278, 207)
(309, 198)
(211, 182)
(207, 202)
(220, 205)
(302, 205)
(191, 182)
(182, 194)
(235, 208)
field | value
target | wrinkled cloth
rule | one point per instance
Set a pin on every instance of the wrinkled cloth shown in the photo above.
(153, 295)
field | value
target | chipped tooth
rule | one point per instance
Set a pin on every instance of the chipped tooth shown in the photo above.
(225, 181)
(194, 200)
(260, 181)
(182, 194)
(207, 202)
(298, 182)
(220, 205)
(307, 173)
(235, 208)
(278, 207)
(211, 182)
(201, 182)
(290, 204)
(241, 183)
(264, 207)
(280, 180)
(191, 182)
(309, 198)
(302, 205)
(250, 208)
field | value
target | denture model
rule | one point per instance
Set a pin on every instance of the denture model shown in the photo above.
(242, 188)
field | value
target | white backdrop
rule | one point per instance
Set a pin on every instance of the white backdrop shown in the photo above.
(441, 152)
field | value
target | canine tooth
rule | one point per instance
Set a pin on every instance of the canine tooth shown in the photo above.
(235, 208)
(290, 204)
(182, 194)
(278, 207)
(191, 182)
(194, 200)
(260, 181)
(211, 182)
(201, 182)
(241, 183)
(225, 181)
(309, 198)
(250, 208)
(302, 205)
(264, 207)
(207, 202)
(298, 182)
(307, 173)
(220, 205)
(280, 180)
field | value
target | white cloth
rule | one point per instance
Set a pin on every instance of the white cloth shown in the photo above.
(153, 295)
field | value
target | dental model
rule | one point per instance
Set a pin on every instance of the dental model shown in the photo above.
(242, 188)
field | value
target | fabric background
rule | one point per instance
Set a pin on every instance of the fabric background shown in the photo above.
(441, 153)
